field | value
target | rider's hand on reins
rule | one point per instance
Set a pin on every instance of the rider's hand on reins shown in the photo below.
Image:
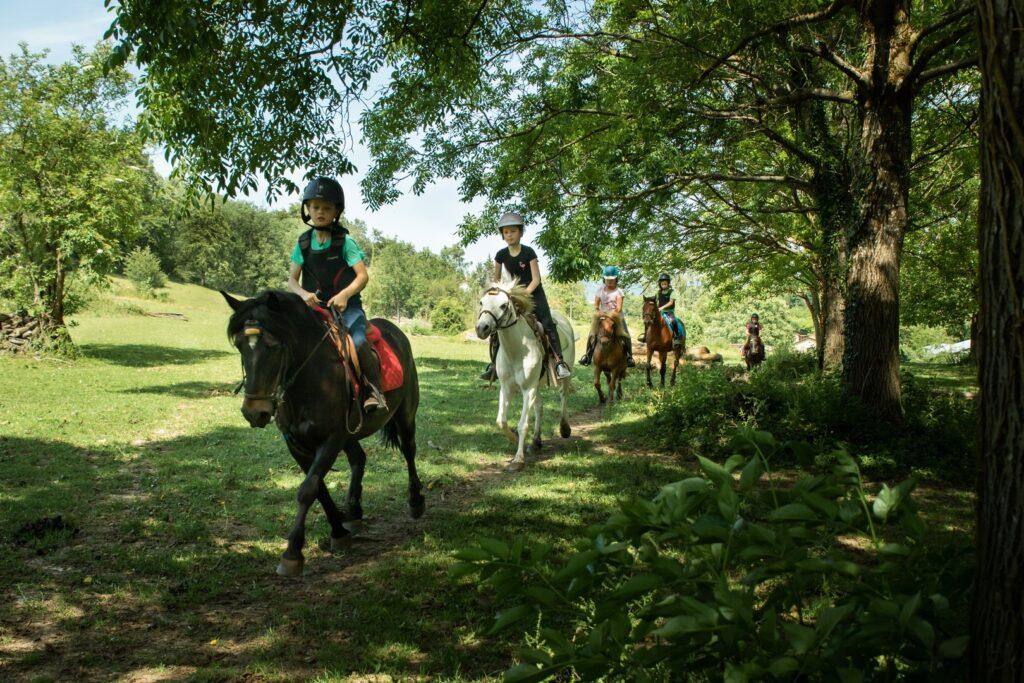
(338, 301)
(311, 299)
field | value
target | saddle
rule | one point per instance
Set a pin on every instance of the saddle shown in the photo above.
(391, 372)
(547, 366)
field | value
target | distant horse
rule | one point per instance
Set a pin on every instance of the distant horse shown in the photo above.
(291, 372)
(504, 310)
(754, 351)
(609, 358)
(658, 337)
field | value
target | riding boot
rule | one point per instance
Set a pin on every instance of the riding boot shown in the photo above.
(490, 373)
(562, 370)
(585, 358)
(369, 366)
(628, 346)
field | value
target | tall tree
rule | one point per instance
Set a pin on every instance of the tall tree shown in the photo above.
(71, 175)
(997, 619)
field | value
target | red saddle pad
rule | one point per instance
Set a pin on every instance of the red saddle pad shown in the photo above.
(391, 373)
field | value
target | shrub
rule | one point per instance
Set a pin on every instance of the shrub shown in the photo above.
(142, 267)
(725, 577)
(448, 316)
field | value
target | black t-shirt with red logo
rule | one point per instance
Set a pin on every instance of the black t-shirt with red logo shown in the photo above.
(519, 266)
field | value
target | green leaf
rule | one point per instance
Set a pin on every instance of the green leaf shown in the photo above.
(800, 637)
(923, 631)
(576, 564)
(953, 648)
(715, 472)
(495, 547)
(510, 616)
(894, 549)
(793, 512)
(735, 674)
(727, 502)
(472, 554)
(847, 675)
(751, 474)
(784, 667)
(526, 673)
(829, 617)
(542, 595)
(909, 608)
(637, 585)
(732, 462)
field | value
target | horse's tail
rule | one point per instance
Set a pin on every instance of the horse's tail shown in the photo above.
(389, 434)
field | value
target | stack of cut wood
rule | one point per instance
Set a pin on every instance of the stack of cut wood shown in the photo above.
(17, 331)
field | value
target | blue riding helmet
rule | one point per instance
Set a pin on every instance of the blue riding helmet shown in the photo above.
(610, 272)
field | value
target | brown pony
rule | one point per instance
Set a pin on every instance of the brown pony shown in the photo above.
(610, 358)
(658, 337)
(755, 352)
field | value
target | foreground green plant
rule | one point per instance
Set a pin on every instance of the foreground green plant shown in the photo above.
(736, 574)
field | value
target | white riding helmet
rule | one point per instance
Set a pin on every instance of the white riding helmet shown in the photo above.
(510, 219)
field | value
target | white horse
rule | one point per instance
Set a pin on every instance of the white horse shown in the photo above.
(519, 361)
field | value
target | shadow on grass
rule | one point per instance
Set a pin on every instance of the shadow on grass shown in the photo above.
(193, 389)
(172, 567)
(148, 355)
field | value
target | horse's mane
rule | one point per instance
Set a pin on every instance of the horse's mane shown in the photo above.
(521, 300)
(283, 314)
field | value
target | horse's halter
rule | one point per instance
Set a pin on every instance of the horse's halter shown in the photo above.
(497, 320)
(252, 331)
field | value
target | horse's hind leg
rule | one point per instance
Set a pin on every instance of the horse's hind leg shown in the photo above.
(538, 443)
(407, 442)
(353, 502)
(675, 366)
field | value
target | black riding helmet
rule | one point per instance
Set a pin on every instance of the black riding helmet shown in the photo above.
(327, 189)
(664, 278)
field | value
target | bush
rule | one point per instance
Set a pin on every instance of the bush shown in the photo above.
(142, 267)
(448, 316)
(725, 577)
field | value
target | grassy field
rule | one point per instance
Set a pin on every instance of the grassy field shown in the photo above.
(172, 513)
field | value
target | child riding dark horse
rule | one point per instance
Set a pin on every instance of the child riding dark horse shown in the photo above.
(520, 261)
(608, 302)
(667, 307)
(754, 329)
(333, 274)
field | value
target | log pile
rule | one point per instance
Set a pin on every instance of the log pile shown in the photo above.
(18, 331)
(702, 358)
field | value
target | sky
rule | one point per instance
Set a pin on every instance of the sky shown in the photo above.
(428, 220)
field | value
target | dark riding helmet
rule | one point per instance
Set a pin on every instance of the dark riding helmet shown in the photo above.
(327, 189)
(753, 316)
(664, 278)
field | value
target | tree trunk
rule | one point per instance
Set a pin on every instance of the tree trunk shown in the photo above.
(997, 615)
(871, 362)
(813, 301)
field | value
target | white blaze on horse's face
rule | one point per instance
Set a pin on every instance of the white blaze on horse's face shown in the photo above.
(494, 313)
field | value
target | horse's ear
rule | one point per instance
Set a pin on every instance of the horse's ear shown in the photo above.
(232, 301)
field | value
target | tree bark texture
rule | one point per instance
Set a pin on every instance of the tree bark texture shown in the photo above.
(996, 651)
(875, 242)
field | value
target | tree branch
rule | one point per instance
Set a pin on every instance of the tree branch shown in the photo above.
(946, 69)
(921, 63)
(944, 21)
(777, 27)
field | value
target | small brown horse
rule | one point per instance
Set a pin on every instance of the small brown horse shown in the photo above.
(658, 337)
(755, 352)
(610, 358)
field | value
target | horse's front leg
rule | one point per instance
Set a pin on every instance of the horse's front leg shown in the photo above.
(563, 426)
(597, 384)
(650, 355)
(519, 460)
(504, 403)
(309, 490)
(675, 366)
(353, 503)
(339, 534)
(663, 356)
(609, 377)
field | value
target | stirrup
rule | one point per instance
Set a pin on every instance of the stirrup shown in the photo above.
(584, 360)
(490, 373)
(375, 401)
(562, 370)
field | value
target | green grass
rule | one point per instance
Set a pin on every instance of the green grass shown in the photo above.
(176, 513)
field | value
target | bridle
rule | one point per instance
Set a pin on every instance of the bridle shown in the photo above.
(252, 330)
(497, 320)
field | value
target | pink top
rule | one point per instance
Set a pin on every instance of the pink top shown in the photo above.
(610, 298)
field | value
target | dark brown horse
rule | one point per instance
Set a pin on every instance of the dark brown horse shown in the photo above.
(291, 372)
(609, 358)
(754, 351)
(658, 338)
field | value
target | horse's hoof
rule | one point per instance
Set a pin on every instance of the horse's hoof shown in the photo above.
(564, 429)
(290, 567)
(341, 543)
(416, 510)
(537, 445)
(515, 466)
(353, 526)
